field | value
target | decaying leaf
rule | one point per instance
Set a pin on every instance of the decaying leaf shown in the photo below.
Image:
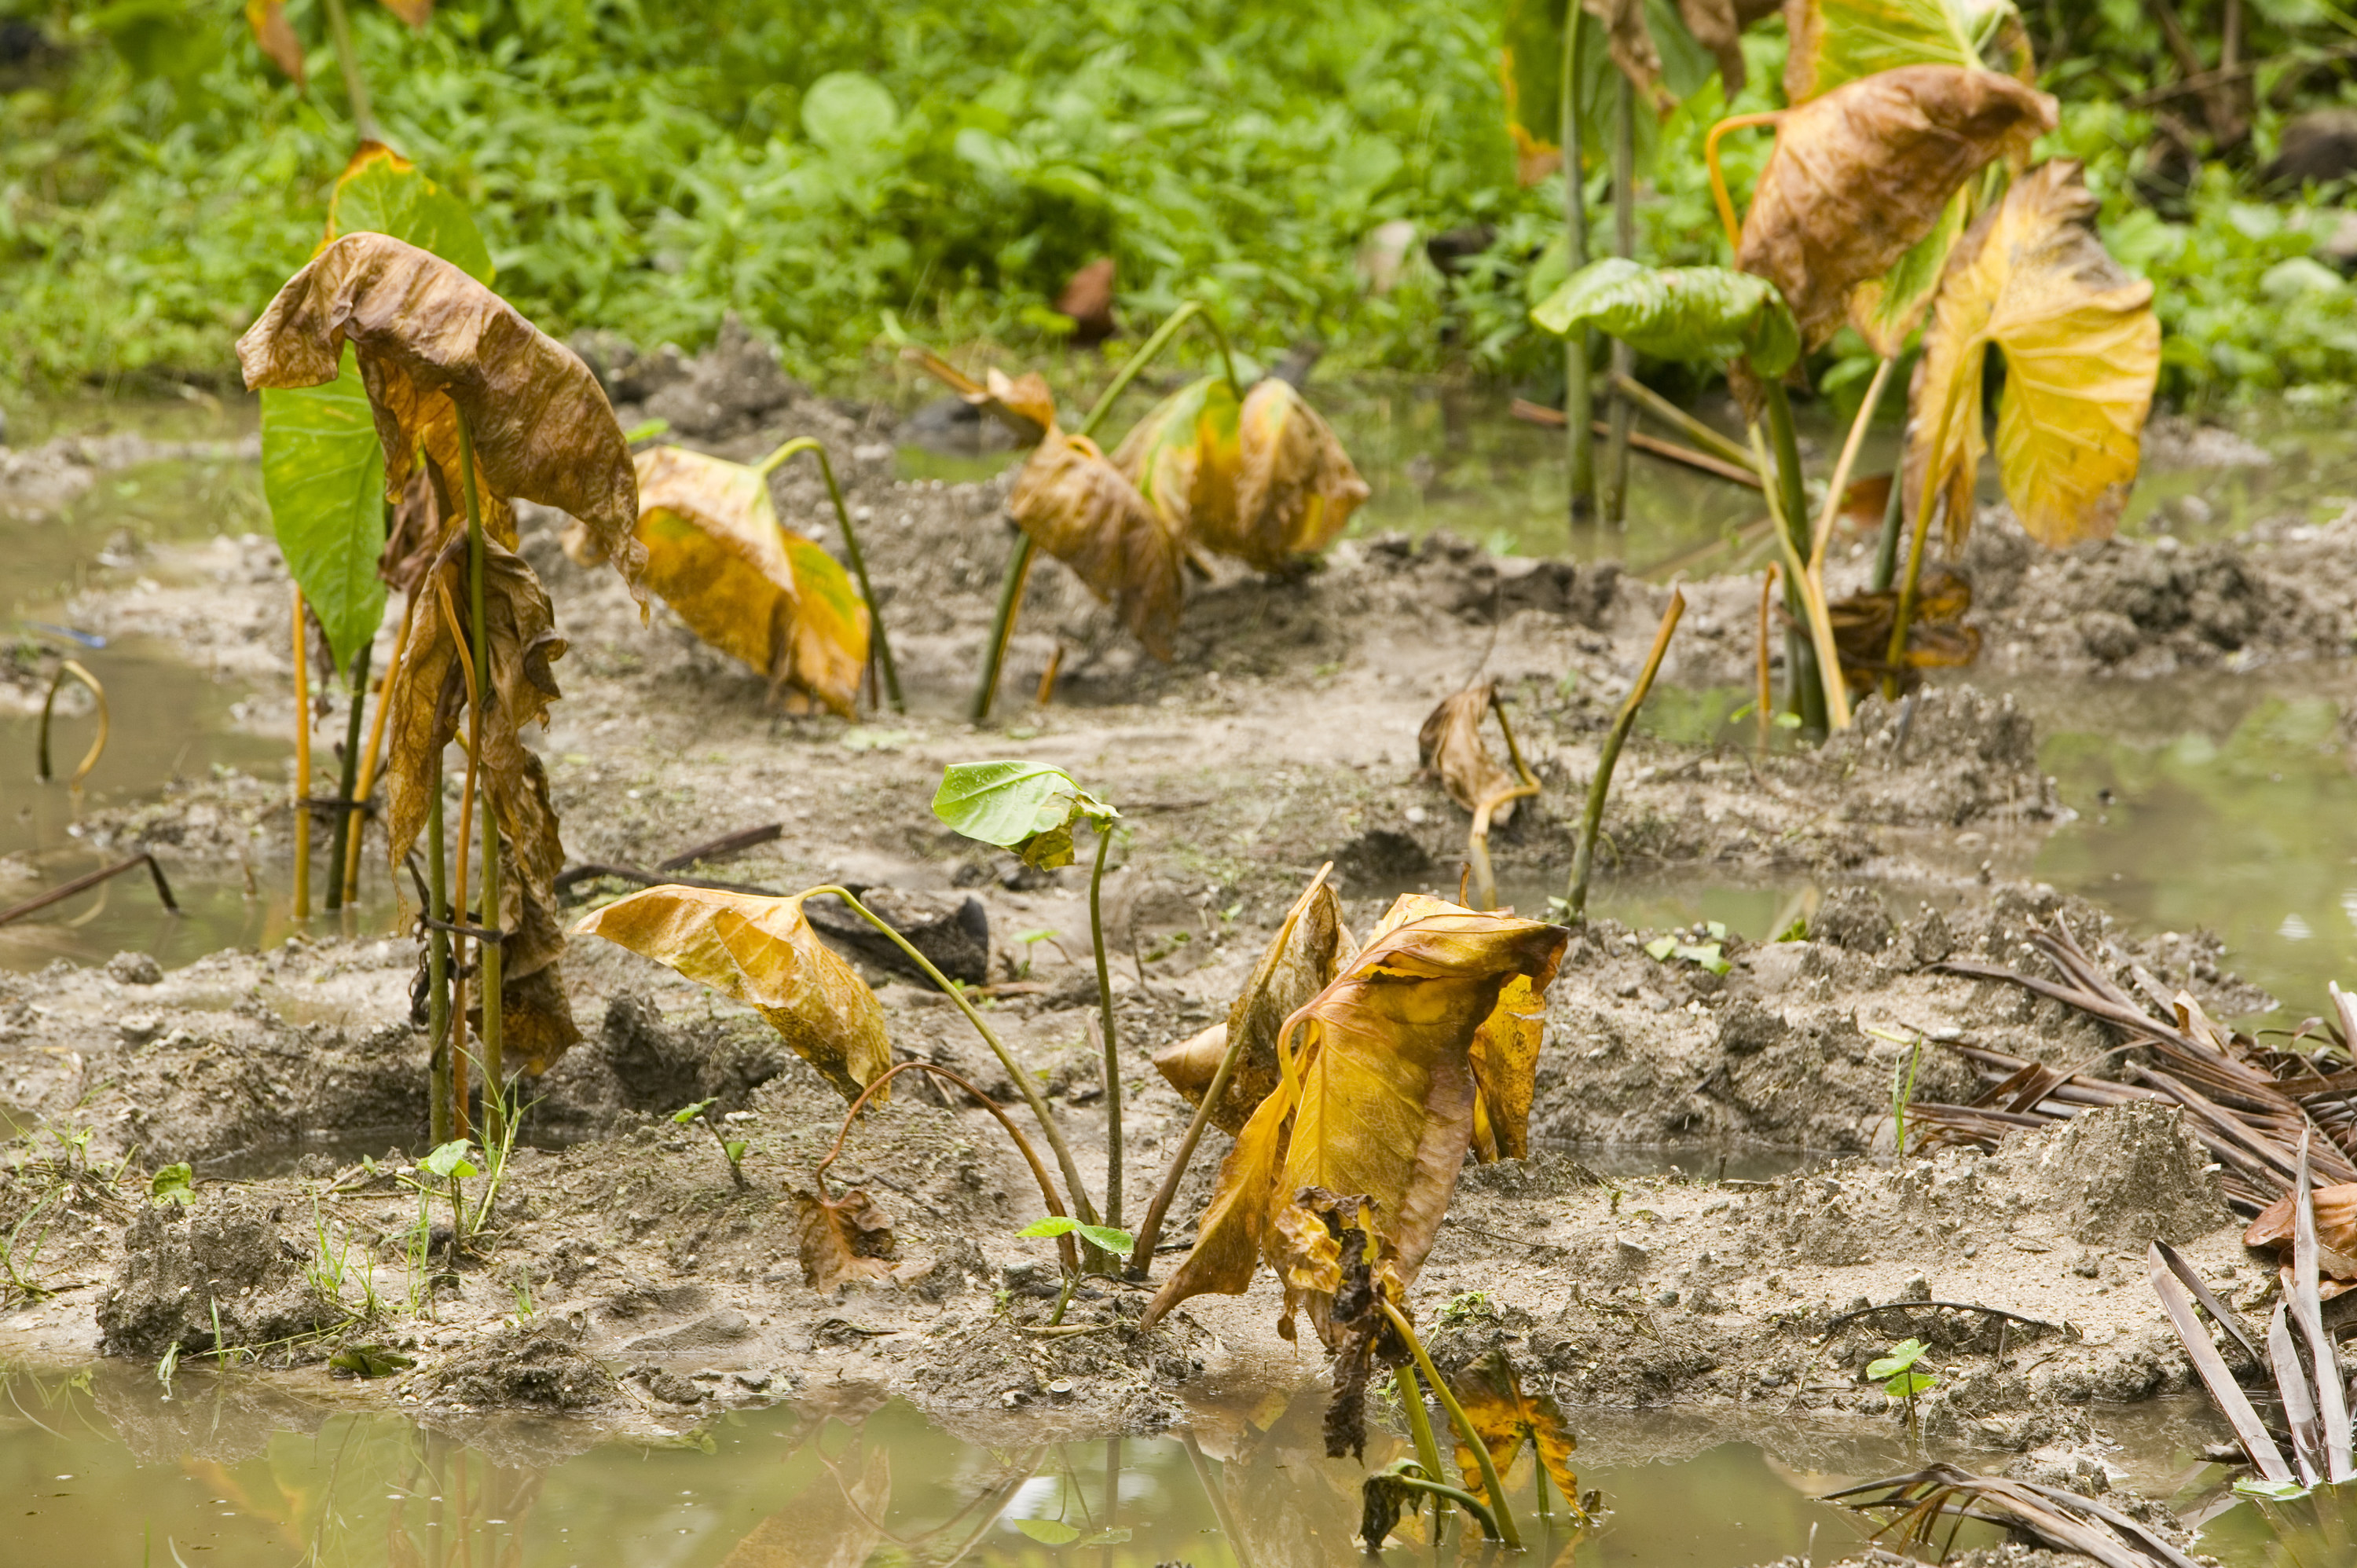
(1863, 174)
(1504, 1050)
(536, 1018)
(1383, 1498)
(1024, 403)
(1332, 1256)
(1937, 636)
(763, 952)
(1077, 507)
(1718, 26)
(1311, 947)
(1264, 480)
(1630, 42)
(843, 1238)
(416, 13)
(432, 341)
(1677, 313)
(1506, 1418)
(1377, 1097)
(1450, 746)
(275, 37)
(1183, 457)
(1838, 41)
(2336, 1229)
(741, 580)
(2082, 353)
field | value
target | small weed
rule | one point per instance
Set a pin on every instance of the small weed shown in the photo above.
(1105, 1238)
(1468, 1306)
(1897, 1374)
(1710, 955)
(733, 1148)
(173, 1184)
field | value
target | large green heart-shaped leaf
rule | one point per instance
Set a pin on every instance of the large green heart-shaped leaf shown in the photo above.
(1028, 807)
(323, 473)
(1677, 313)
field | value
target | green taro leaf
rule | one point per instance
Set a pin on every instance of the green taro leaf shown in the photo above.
(687, 1113)
(1678, 312)
(1904, 1354)
(1028, 807)
(1836, 41)
(323, 475)
(1105, 1238)
(1048, 1531)
(173, 1184)
(380, 192)
(451, 1160)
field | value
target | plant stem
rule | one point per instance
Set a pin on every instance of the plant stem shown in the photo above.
(367, 783)
(1763, 705)
(1842, 468)
(1895, 656)
(339, 851)
(1472, 1439)
(1821, 699)
(1894, 516)
(1420, 1429)
(302, 766)
(1685, 424)
(480, 699)
(1148, 351)
(1141, 1256)
(1613, 499)
(1579, 396)
(1002, 626)
(1457, 1495)
(1591, 822)
(437, 961)
(851, 548)
(1477, 840)
(1082, 1209)
(355, 90)
(1104, 1016)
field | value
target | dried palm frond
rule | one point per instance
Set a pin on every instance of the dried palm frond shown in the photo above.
(2053, 1517)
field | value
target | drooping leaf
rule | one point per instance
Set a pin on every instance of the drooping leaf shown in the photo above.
(1312, 946)
(1183, 457)
(536, 1016)
(1331, 1255)
(1677, 313)
(1505, 1418)
(1839, 41)
(1505, 1051)
(2081, 352)
(382, 192)
(1077, 507)
(431, 342)
(760, 951)
(1631, 43)
(742, 581)
(323, 476)
(1718, 26)
(1937, 636)
(1296, 488)
(843, 1238)
(1383, 1498)
(275, 37)
(1862, 175)
(1377, 1098)
(1024, 404)
(1450, 746)
(1030, 808)
(1887, 308)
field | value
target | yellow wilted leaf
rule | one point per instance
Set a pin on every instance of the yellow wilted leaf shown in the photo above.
(1451, 747)
(275, 36)
(763, 952)
(744, 582)
(1838, 41)
(1377, 1098)
(1505, 1418)
(1183, 457)
(1861, 175)
(2081, 352)
(1296, 488)
(1077, 507)
(1505, 1051)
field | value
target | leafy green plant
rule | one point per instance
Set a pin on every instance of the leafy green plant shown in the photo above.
(1708, 955)
(1108, 1242)
(173, 1184)
(1896, 1372)
(732, 1149)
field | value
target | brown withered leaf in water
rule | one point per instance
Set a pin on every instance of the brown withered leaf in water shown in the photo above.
(1937, 636)
(1077, 507)
(431, 342)
(1450, 746)
(843, 1238)
(2336, 1229)
(1333, 1255)
(275, 36)
(1506, 1418)
(763, 952)
(1378, 1096)
(1860, 175)
(1312, 945)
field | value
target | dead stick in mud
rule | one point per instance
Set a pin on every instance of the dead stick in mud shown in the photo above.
(1465, 1429)
(1592, 822)
(1031, 1155)
(88, 879)
(1653, 445)
(726, 844)
(367, 781)
(1084, 1211)
(1141, 1255)
(302, 911)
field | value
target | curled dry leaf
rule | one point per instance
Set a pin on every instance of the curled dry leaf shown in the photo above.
(1631, 43)
(1863, 174)
(1311, 947)
(1937, 636)
(1265, 480)
(1377, 1097)
(743, 581)
(2081, 352)
(275, 37)
(1077, 507)
(1450, 746)
(2336, 1229)
(1504, 1050)
(763, 952)
(1183, 457)
(1334, 1257)
(433, 341)
(1022, 403)
(1718, 26)
(843, 1238)
(1505, 1418)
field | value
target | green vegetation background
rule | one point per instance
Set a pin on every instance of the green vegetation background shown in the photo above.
(649, 167)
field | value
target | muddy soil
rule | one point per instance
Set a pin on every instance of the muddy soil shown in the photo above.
(629, 1276)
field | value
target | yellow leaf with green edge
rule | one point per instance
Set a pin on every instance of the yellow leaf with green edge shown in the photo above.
(1837, 41)
(1296, 486)
(2081, 352)
(763, 952)
(1505, 1418)
(380, 192)
(1183, 457)
(831, 625)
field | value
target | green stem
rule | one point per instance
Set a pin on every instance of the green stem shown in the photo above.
(1002, 627)
(1472, 1439)
(1894, 524)
(487, 952)
(1578, 397)
(1807, 683)
(1612, 500)
(1193, 309)
(1895, 656)
(339, 28)
(1105, 1015)
(1420, 1429)
(1591, 822)
(1082, 1209)
(349, 777)
(437, 960)
(850, 548)
(1685, 424)
(1461, 1498)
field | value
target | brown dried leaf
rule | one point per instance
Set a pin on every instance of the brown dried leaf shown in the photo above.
(1937, 636)
(2336, 1229)
(275, 37)
(1860, 175)
(420, 529)
(416, 13)
(843, 1238)
(1504, 1052)
(1296, 486)
(431, 342)
(761, 951)
(1450, 745)
(1718, 26)
(1631, 43)
(1077, 507)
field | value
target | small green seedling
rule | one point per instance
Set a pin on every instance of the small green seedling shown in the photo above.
(1897, 1374)
(1710, 955)
(452, 1163)
(734, 1148)
(173, 1184)
(1105, 1238)
(369, 1361)
(1032, 940)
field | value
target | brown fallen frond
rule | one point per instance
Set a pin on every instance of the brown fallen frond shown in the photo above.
(2053, 1517)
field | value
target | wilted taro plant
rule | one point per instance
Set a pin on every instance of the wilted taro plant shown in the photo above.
(1897, 197)
(1250, 471)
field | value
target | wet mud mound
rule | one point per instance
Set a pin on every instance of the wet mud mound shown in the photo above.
(227, 1277)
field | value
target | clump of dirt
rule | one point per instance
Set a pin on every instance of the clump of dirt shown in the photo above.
(2127, 1176)
(523, 1368)
(1942, 756)
(227, 1276)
